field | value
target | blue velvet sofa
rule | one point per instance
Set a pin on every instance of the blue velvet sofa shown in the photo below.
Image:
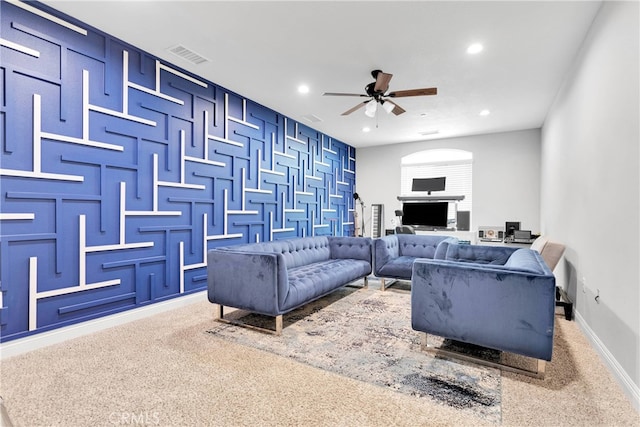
(497, 297)
(393, 255)
(273, 278)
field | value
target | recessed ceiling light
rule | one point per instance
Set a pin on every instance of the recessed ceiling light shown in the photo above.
(485, 112)
(303, 89)
(366, 129)
(475, 48)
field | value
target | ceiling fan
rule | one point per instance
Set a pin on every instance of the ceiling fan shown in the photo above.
(376, 91)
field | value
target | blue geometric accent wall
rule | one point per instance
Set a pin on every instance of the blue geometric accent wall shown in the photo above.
(119, 171)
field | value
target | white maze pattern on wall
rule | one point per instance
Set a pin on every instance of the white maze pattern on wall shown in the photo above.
(119, 171)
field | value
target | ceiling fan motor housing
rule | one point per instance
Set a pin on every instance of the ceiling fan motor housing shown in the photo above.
(370, 90)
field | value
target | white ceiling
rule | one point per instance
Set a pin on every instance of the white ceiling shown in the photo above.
(263, 50)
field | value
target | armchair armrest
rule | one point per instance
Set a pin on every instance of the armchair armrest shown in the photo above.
(385, 249)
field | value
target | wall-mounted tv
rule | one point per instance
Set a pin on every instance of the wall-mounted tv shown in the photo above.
(429, 215)
(429, 184)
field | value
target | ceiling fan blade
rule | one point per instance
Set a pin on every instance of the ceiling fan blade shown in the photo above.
(414, 92)
(382, 82)
(397, 110)
(357, 107)
(344, 94)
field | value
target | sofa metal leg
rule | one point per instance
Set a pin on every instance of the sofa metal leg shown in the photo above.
(217, 311)
(384, 283)
(366, 282)
(218, 315)
(537, 373)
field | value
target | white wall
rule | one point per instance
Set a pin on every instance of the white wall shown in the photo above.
(590, 186)
(506, 177)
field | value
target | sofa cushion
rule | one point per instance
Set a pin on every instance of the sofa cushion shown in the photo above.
(398, 268)
(312, 281)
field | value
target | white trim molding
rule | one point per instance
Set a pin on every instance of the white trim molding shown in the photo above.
(629, 387)
(45, 339)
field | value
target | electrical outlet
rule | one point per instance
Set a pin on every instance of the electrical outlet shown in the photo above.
(584, 284)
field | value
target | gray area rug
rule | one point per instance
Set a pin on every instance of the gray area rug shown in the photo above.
(366, 334)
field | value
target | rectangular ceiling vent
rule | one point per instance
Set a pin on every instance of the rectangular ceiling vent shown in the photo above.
(188, 54)
(312, 118)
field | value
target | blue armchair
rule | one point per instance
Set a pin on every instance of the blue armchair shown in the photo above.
(497, 297)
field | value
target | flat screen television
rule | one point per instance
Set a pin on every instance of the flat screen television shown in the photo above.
(425, 214)
(429, 184)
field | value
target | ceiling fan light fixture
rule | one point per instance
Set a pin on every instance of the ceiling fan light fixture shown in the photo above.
(370, 108)
(388, 107)
(371, 105)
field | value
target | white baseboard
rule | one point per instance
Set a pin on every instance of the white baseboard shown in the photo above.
(44, 339)
(629, 387)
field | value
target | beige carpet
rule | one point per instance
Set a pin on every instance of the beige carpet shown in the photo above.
(166, 370)
(366, 335)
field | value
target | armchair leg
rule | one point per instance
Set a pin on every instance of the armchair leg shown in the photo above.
(537, 373)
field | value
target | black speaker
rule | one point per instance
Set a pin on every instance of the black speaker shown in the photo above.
(511, 226)
(481, 233)
(463, 220)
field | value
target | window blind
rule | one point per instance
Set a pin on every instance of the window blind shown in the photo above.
(458, 181)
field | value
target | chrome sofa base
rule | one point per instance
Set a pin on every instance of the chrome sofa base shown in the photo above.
(537, 373)
(218, 315)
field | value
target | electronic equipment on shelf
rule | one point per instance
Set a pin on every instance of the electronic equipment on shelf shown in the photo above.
(490, 234)
(522, 236)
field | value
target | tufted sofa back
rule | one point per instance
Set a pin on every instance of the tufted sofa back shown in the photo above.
(302, 251)
(479, 254)
(296, 252)
(417, 245)
(351, 248)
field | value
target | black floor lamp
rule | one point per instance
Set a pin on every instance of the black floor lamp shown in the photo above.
(356, 197)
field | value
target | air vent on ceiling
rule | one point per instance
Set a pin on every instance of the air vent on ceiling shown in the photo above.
(188, 54)
(312, 118)
(429, 132)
